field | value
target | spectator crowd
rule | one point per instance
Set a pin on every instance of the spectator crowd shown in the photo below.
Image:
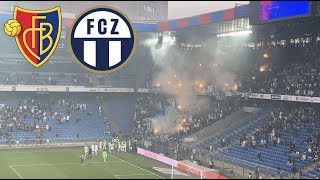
(148, 106)
(300, 122)
(36, 115)
(294, 72)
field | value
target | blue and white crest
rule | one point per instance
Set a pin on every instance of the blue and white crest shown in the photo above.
(102, 39)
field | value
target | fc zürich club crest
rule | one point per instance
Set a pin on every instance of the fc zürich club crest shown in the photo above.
(102, 39)
(37, 33)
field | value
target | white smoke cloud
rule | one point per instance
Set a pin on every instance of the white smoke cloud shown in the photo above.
(167, 123)
(179, 73)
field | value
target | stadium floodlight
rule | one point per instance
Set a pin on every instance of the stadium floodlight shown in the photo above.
(235, 33)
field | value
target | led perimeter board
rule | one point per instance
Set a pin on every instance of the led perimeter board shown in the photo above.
(272, 11)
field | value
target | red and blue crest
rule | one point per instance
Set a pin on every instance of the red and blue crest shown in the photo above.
(40, 33)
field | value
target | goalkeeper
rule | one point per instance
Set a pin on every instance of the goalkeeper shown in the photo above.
(104, 156)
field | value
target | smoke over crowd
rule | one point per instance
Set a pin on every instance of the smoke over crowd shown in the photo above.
(179, 73)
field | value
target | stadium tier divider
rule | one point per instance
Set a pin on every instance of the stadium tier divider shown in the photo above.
(61, 143)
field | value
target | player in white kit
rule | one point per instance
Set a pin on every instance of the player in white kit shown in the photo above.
(96, 149)
(92, 148)
(111, 148)
(100, 145)
(86, 151)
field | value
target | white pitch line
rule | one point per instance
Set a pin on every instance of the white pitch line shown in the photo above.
(117, 176)
(16, 172)
(26, 165)
(109, 161)
(138, 167)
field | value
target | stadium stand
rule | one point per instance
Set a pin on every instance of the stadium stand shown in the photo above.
(286, 139)
(57, 117)
(281, 139)
(148, 106)
(121, 108)
(297, 78)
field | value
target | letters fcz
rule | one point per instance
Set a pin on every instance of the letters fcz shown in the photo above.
(102, 26)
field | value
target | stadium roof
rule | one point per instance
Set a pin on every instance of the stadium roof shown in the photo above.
(203, 19)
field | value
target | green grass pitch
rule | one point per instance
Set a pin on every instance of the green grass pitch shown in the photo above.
(65, 163)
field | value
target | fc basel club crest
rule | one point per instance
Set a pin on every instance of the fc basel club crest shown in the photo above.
(37, 33)
(102, 39)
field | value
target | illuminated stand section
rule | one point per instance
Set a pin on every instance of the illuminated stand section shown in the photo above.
(203, 172)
